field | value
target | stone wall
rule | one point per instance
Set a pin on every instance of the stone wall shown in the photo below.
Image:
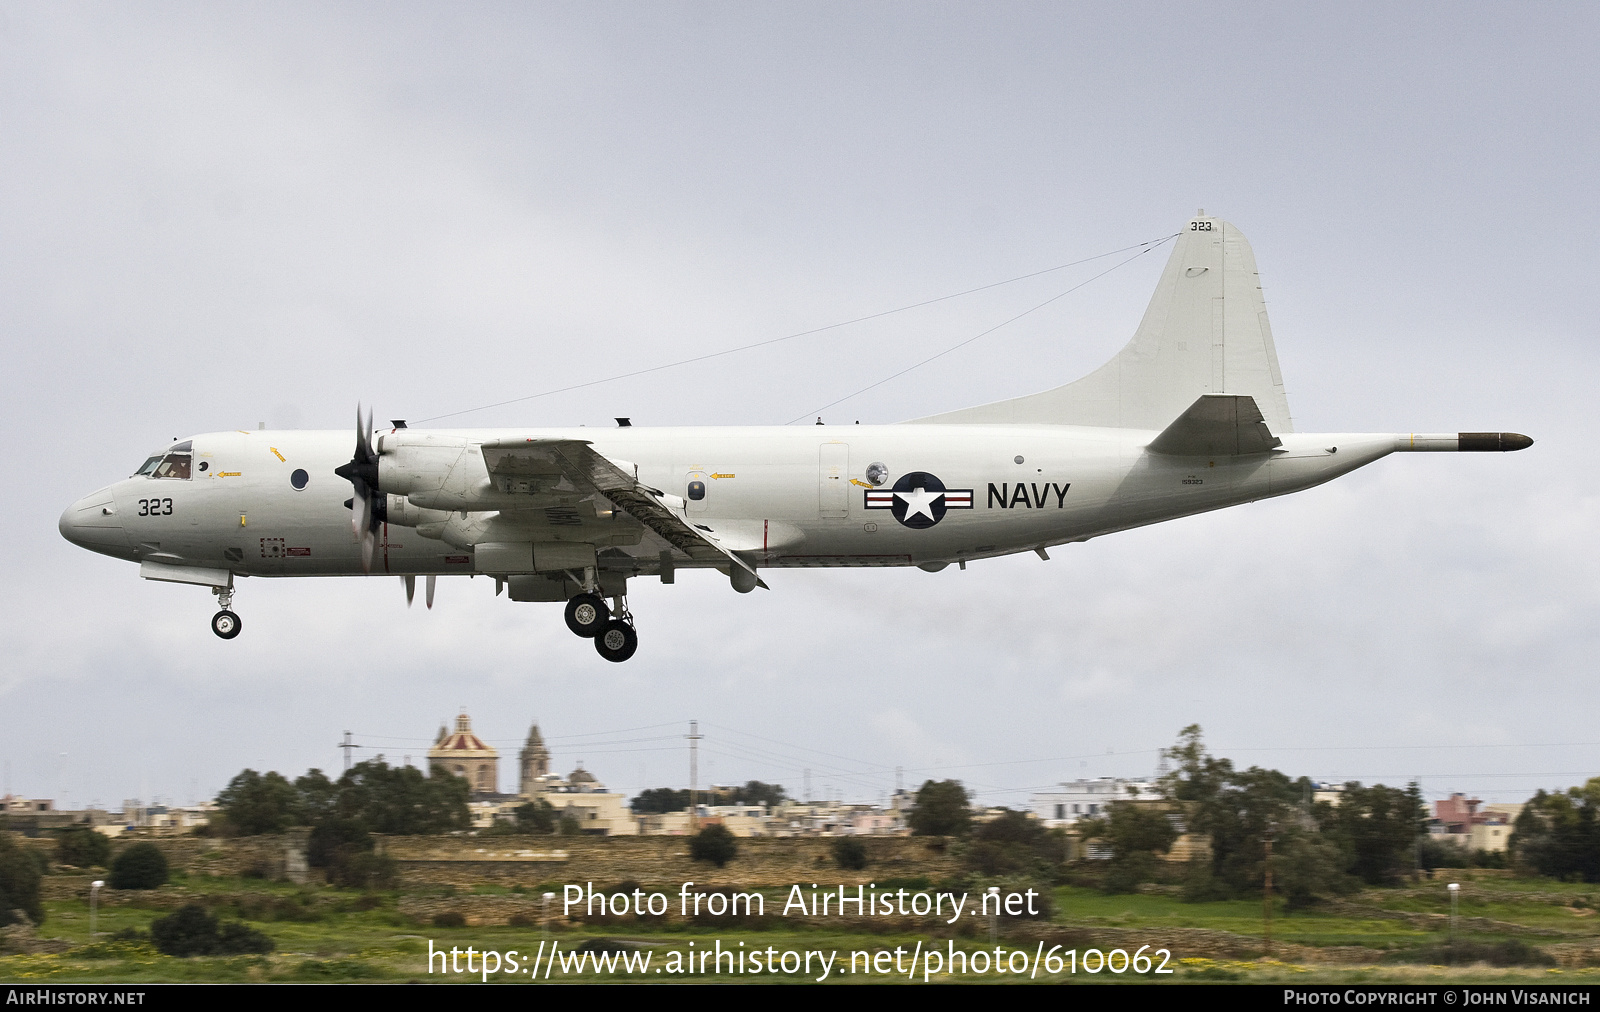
(655, 861)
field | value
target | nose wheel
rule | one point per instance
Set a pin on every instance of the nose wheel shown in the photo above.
(225, 623)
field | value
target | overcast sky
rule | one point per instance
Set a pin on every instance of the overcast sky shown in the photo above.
(218, 215)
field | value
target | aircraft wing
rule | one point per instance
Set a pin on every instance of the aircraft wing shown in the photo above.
(575, 461)
(1217, 425)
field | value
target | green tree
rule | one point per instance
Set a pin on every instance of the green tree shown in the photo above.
(714, 844)
(1237, 809)
(82, 847)
(400, 801)
(317, 797)
(536, 817)
(141, 866)
(1559, 834)
(659, 800)
(1013, 843)
(1306, 867)
(941, 809)
(19, 882)
(1136, 833)
(253, 803)
(1376, 828)
(754, 792)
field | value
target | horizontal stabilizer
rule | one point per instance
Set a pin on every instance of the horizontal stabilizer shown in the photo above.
(1217, 425)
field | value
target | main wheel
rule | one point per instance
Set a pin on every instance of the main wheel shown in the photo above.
(587, 615)
(226, 624)
(617, 641)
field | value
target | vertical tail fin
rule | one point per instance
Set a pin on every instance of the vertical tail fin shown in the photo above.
(1205, 332)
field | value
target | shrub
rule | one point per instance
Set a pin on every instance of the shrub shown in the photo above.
(141, 866)
(19, 883)
(848, 853)
(1511, 952)
(449, 919)
(82, 847)
(715, 844)
(192, 931)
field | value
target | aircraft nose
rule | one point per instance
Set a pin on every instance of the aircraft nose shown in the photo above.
(93, 523)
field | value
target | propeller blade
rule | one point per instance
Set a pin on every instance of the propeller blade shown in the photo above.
(368, 504)
(361, 511)
(428, 589)
(411, 588)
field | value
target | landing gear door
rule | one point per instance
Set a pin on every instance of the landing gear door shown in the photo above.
(833, 492)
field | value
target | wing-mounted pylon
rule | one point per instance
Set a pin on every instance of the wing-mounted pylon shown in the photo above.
(1217, 425)
(576, 461)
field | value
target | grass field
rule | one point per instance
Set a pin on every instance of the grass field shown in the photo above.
(325, 934)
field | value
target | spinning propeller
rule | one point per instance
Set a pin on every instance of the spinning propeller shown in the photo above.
(411, 588)
(369, 505)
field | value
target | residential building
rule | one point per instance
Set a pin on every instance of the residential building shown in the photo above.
(1072, 800)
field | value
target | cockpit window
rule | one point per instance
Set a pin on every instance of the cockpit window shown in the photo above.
(149, 466)
(173, 465)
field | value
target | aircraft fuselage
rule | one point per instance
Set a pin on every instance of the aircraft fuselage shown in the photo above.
(778, 496)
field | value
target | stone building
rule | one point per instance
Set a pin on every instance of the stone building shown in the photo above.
(464, 754)
(533, 775)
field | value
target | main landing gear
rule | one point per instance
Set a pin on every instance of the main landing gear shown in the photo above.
(587, 614)
(610, 628)
(225, 623)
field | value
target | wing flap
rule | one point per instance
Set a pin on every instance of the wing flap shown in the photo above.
(577, 462)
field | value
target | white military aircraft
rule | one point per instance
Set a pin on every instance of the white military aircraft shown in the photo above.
(1190, 416)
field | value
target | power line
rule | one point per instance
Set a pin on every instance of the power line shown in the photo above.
(804, 333)
(963, 344)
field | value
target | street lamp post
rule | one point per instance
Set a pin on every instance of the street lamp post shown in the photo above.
(1455, 901)
(994, 916)
(94, 904)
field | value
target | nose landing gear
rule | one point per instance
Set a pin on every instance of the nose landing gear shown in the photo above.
(225, 623)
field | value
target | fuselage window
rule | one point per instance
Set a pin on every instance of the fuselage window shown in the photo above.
(174, 465)
(149, 466)
(697, 490)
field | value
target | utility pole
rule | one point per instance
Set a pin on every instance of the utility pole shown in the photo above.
(694, 771)
(347, 746)
(1266, 892)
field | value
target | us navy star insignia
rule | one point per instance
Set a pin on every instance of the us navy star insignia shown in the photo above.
(918, 500)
